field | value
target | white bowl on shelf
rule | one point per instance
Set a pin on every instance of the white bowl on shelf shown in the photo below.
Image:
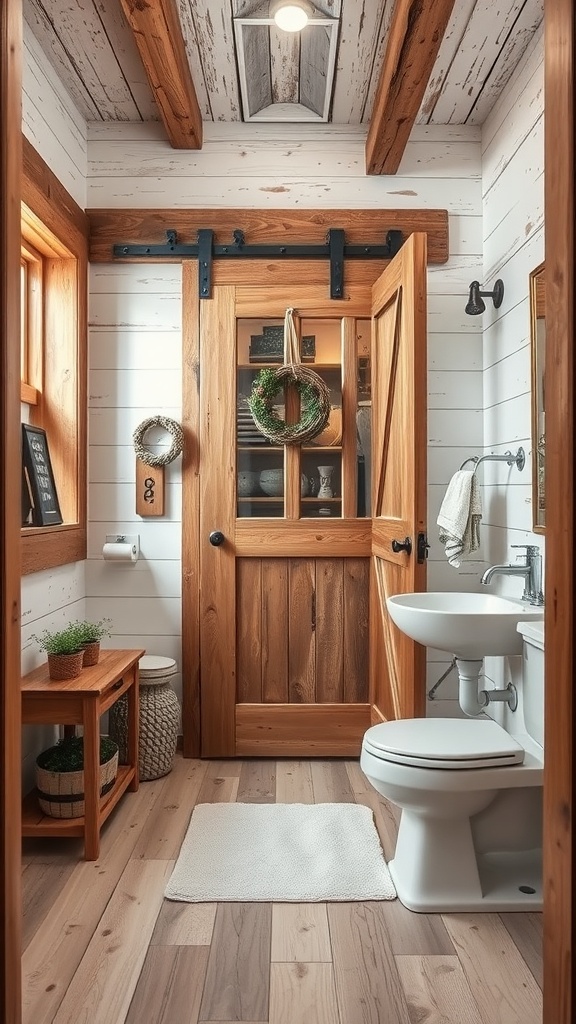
(247, 483)
(272, 483)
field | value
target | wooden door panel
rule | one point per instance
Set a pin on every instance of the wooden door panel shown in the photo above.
(397, 647)
(303, 538)
(301, 730)
(355, 636)
(249, 653)
(305, 620)
(397, 665)
(329, 630)
(310, 301)
(275, 611)
(385, 347)
(302, 632)
(384, 532)
(382, 708)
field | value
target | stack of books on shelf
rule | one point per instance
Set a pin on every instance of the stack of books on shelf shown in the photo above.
(268, 347)
(247, 431)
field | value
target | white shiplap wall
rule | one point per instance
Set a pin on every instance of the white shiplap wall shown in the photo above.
(135, 322)
(135, 359)
(513, 215)
(50, 122)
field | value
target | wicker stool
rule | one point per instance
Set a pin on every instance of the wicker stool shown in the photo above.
(159, 718)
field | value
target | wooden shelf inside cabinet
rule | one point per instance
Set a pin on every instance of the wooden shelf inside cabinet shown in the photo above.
(321, 501)
(260, 448)
(81, 701)
(315, 449)
(260, 500)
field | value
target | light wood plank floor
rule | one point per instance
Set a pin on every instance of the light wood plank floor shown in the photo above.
(101, 946)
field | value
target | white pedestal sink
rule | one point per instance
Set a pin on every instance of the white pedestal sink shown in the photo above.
(470, 626)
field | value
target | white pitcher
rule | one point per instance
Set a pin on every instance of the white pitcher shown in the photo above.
(325, 481)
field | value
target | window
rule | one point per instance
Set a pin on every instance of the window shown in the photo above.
(53, 269)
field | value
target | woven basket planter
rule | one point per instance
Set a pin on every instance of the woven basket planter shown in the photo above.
(65, 666)
(61, 794)
(91, 654)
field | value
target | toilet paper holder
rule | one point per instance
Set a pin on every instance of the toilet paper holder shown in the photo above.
(128, 546)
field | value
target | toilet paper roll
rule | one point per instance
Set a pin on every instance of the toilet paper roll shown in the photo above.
(120, 552)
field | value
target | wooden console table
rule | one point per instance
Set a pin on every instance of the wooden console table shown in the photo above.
(81, 701)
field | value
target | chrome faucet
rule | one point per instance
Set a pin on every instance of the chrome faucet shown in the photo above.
(531, 570)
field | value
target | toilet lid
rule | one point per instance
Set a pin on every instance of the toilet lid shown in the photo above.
(450, 743)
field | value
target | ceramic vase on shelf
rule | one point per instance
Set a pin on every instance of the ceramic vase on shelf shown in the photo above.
(325, 490)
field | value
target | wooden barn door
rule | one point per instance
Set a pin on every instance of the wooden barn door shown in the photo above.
(284, 570)
(397, 664)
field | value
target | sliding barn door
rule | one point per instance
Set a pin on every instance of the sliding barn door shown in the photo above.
(397, 664)
(284, 532)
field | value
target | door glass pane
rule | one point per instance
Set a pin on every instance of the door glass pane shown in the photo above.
(363, 414)
(259, 464)
(332, 471)
(321, 458)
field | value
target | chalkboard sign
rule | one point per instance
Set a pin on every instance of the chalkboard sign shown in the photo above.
(39, 477)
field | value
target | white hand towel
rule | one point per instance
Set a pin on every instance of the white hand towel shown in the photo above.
(459, 517)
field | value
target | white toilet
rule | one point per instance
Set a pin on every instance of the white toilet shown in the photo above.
(470, 835)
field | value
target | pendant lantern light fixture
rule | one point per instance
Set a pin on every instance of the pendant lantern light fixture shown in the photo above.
(286, 54)
(291, 15)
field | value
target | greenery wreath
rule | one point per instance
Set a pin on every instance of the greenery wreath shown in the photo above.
(314, 403)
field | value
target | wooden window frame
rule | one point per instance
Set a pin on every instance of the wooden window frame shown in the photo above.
(54, 227)
(31, 331)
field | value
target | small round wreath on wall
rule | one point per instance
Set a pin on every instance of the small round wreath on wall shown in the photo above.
(314, 404)
(175, 449)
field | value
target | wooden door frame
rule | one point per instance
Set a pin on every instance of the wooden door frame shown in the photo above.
(268, 225)
(10, 743)
(560, 706)
(235, 721)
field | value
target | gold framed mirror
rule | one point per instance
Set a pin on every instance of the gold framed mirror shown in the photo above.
(538, 341)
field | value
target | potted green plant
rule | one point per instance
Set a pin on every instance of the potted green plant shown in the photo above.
(65, 654)
(60, 775)
(89, 636)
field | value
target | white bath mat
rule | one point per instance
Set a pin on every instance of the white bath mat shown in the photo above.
(282, 853)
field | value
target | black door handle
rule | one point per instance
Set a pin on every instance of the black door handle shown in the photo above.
(402, 545)
(216, 538)
(422, 548)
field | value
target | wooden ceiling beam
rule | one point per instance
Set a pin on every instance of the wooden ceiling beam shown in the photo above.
(416, 32)
(158, 36)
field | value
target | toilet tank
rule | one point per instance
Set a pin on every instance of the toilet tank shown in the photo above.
(533, 678)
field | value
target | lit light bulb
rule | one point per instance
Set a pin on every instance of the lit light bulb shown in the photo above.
(291, 17)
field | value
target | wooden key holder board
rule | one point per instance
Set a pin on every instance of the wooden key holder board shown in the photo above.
(150, 487)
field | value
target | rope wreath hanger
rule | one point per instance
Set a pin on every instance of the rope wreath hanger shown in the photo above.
(314, 396)
(175, 449)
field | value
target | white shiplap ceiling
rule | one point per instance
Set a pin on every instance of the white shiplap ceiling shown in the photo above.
(92, 49)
